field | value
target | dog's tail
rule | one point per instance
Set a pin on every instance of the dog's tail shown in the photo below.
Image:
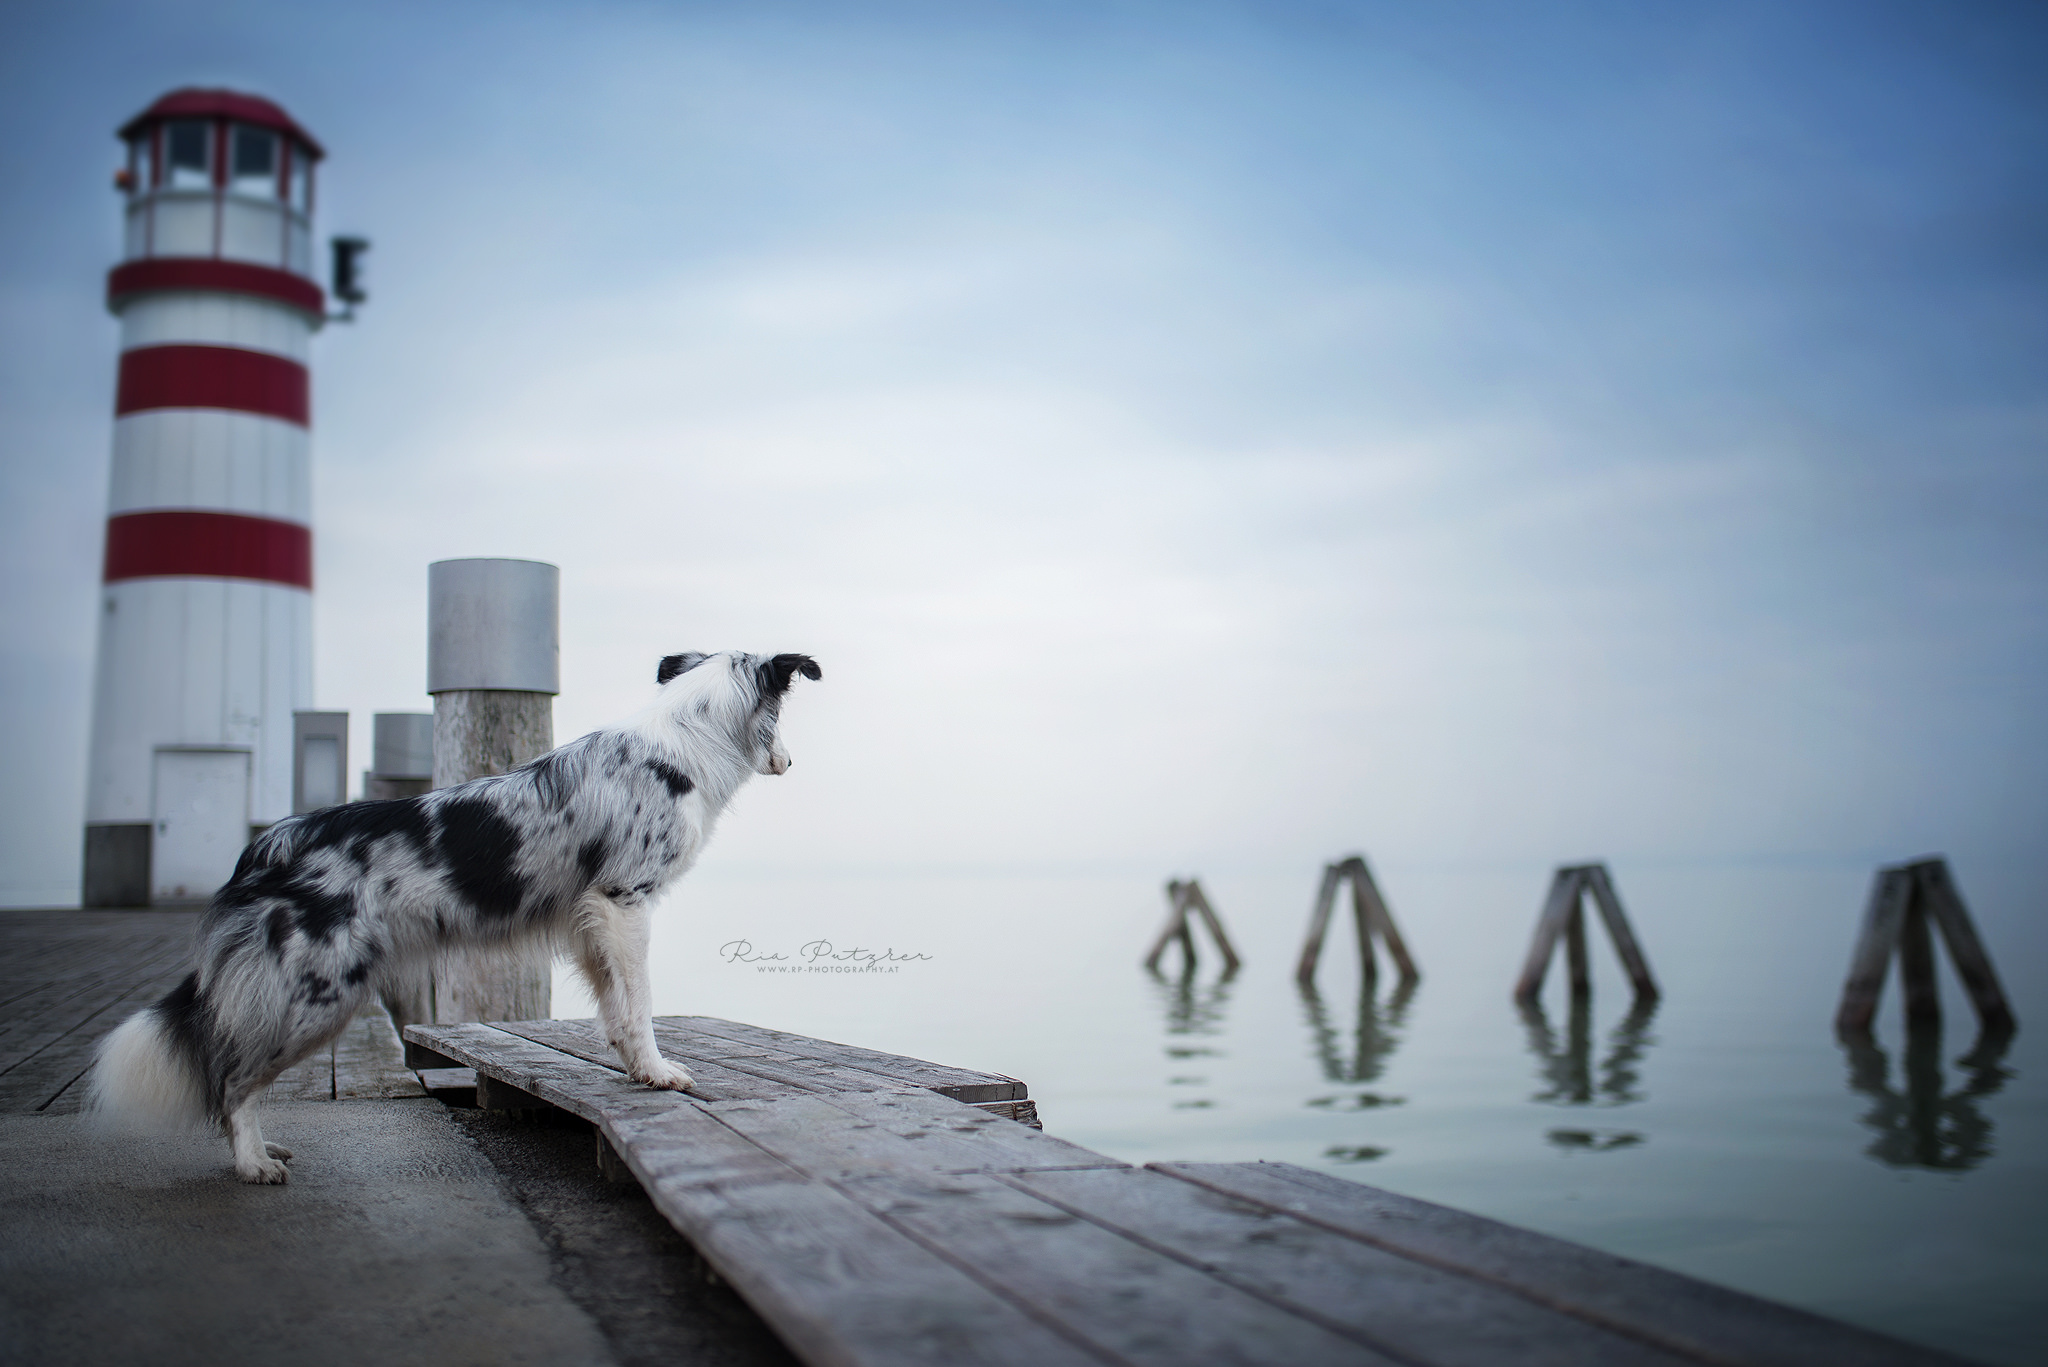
(146, 1073)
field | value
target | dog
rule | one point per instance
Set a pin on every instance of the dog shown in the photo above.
(328, 908)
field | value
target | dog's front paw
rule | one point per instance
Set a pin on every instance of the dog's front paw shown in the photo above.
(276, 1150)
(264, 1172)
(667, 1076)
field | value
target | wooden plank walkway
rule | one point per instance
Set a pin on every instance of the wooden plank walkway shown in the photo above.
(883, 1210)
(69, 977)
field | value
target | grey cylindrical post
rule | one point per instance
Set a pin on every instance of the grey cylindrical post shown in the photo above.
(493, 666)
(401, 755)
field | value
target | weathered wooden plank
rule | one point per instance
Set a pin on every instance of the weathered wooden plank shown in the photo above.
(962, 1084)
(1132, 1303)
(848, 1133)
(1965, 950)
(310, 1079)
(1883, 919)
(1196, 898)
(1659, 1308)
(1361, 920)
(1565, 888)
(1318, 926)
(369, 1060)
(1023, 1112)
(1409, 1310)
(1633, 960)
(1919, 991)
(797, 1074)
(1382, 920)
(589, 1090)
(35, 1082)
(1578, 969)
(43, 1057)
(840, 1285)
(1176, 928)
(581, 1039)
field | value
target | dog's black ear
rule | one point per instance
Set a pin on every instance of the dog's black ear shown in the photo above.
(672, 665)
(774, 675)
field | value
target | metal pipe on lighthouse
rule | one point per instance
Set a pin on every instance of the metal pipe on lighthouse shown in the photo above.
(205, 623)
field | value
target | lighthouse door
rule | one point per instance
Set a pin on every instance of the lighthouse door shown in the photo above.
(202, 822)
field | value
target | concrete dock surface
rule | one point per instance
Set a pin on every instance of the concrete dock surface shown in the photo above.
(410, 1231)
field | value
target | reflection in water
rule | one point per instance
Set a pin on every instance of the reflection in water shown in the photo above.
(1193, 1009)
(1373, 1041)
(1924, 1128)
(1568, 1069)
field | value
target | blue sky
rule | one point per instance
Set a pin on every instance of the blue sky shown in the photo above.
(1189, 434)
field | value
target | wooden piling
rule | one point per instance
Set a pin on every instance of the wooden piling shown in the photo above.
(1904, 900)
(1370, 915)
(1564, 916)
(1181, 899)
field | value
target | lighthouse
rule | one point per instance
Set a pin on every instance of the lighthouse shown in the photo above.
(205, 609)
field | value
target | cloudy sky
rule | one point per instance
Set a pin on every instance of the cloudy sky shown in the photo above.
(1189, 434)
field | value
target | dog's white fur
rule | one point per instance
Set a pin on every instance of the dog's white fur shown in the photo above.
(328, 908)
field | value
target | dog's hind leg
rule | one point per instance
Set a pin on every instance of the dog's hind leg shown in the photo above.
(610, 943)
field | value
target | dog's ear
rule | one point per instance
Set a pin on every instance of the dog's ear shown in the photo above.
(672, 665)
(774, 675)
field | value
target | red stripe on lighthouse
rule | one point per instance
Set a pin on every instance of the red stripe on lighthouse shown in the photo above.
(213, 377)
(188, 544)
(205, 273)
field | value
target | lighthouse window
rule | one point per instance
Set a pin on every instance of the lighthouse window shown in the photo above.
(301, 178)
(254, 162)
(188, 163)
(138, 163)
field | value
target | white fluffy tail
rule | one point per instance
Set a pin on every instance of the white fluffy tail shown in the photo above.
(141, 1079)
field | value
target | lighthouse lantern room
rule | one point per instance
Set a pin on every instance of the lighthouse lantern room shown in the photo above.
(205, 613)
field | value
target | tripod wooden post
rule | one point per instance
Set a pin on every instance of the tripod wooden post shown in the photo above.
(1903, 900)
(1564, 915)
(1182, 898)
(1368, 912)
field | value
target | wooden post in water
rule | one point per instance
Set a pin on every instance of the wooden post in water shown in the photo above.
(1903, 900)
(493, 668)
(1564, 915)
(1181, 898)
(1368, 912)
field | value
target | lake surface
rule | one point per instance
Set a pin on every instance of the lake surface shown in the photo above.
(1725, 1134)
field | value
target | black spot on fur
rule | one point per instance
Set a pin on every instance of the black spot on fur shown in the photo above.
(321, 913)
(774, 676)
(672, 665)
(279, 925)
(590, 858)
(678, 782)
(479, 848)
(354, 977)
(184, 1018)
(315, 990)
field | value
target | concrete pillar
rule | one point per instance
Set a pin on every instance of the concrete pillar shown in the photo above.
(493, 666)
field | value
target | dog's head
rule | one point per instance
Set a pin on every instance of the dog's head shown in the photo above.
(747, 690)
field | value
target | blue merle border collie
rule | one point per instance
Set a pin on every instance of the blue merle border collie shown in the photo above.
(326, 909)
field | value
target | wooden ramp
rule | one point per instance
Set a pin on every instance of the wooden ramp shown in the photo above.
(882, 1210)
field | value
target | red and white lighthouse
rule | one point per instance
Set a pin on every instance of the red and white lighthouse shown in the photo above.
(205, 630)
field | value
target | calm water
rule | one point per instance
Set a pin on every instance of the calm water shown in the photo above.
(1725, 1134)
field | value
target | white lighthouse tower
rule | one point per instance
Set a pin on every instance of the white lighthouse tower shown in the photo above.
(205, 623)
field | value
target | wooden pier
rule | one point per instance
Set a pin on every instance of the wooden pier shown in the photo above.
(883, 1210)
(870, 1208)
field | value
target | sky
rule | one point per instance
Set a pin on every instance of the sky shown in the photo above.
(1189, 435)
